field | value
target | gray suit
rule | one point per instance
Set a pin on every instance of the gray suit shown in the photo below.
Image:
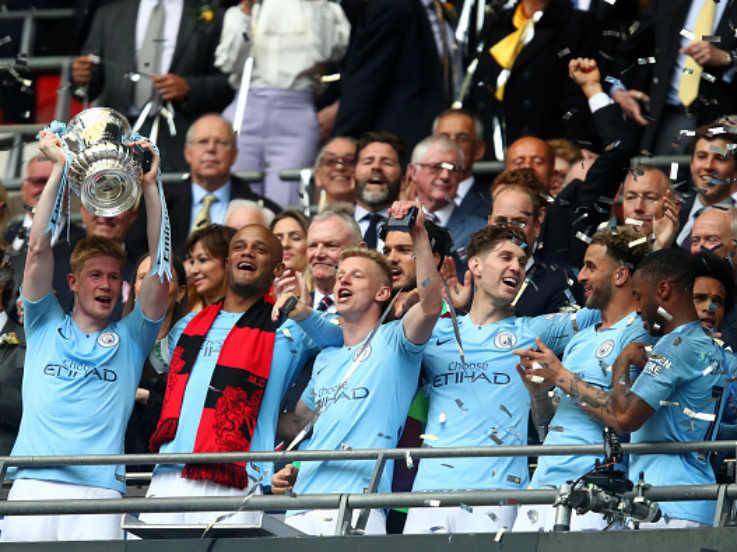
(112, 38)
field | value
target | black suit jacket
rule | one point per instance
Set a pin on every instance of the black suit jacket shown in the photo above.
(392, 78)
(661, 26)
(11, 379)
(583, 205)
(112, 37)
(178, 197)
(548, 288)
(539, 92)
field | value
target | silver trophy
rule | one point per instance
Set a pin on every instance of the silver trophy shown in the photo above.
(105, 172)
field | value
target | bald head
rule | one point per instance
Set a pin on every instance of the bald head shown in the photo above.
(714, 230)
(642, 197)
(210, 151)
(532, 153)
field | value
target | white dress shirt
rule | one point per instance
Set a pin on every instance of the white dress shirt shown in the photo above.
(463, 188)
(317, 296)
(443, 214)
(288, 39)
(171, 27)
(359, 213)
(217, 208)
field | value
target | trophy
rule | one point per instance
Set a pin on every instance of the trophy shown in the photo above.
(105, 172)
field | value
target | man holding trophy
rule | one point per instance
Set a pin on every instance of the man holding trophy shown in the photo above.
(81, 370)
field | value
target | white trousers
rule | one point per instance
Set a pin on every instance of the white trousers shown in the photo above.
(70, 527)
(534, 518)
(479, 519)
(172, 484)
(323, 522)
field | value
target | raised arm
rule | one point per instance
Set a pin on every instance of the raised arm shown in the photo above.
(39, 270)
(154, 293)
(422, 316)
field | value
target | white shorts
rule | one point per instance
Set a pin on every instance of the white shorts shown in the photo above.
(322, 522)
(672, 523)
(59, 528)
(534, 518)
(172, 484)
(453, 519)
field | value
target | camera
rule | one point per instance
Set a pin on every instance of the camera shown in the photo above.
(403, 224)
(607, 491)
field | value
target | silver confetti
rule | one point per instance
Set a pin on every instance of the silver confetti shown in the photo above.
(688, 35)
(583, 237)
(638, 241)
(674, 171)
(669, 403)
(664, 314)
(646, 60)
(442, 418)
(559, 429)
(633, 222)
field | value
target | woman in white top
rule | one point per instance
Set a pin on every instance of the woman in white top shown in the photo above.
(289, 41)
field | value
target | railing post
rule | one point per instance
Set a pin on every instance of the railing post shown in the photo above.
(345, 513)
(15, 157)
(63, 93)
(373, 485)
(27, 35)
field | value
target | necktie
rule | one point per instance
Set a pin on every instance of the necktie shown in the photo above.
(202, 218)
(505, 51)
(325, 303)
(371, 237)
(149, 56)
(688, 91)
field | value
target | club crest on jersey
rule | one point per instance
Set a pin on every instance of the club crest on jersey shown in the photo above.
(605, 348)
(362, 355)
(505, 340)
(108, 339)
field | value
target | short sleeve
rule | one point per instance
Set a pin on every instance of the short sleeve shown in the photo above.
(556, 330)
(140, 329)
(46, 310)
(659, 377)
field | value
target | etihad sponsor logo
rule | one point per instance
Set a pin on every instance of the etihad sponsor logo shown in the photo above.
(327, 396)
(70, 370)
(470, 376)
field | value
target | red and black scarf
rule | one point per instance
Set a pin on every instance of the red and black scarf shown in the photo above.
(235, 392)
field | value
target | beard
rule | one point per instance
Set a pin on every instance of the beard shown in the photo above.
(384, 196)
(599, 298)
(256, 287)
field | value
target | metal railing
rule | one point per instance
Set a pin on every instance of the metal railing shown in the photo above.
(724, 494)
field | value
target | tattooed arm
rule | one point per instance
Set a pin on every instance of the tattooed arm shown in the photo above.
(620, 409)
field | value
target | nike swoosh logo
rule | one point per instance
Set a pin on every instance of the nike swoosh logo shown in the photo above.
(440, 342)
(61, 334)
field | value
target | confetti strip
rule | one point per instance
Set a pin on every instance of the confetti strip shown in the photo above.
(664, 314)
(429, 437)
(703, 416)
(633, 222)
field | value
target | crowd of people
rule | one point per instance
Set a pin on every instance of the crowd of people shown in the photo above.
(416, 303)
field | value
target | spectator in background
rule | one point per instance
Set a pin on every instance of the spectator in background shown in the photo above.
(713, 174)
(210, 151)
(525, 72)
(172, 51)
(378, 177)
(290, 228)
(401, 70)
(465, 129)
(715, 231)
(550, 283)
(333, 171)
(643, 192)
(289, 40)
(566, 154)
(330, 232)
(691, 80)
(529, 152)
(435, 172)
(242, 212)
(150, 391)
(207, 250)
(12, 356)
